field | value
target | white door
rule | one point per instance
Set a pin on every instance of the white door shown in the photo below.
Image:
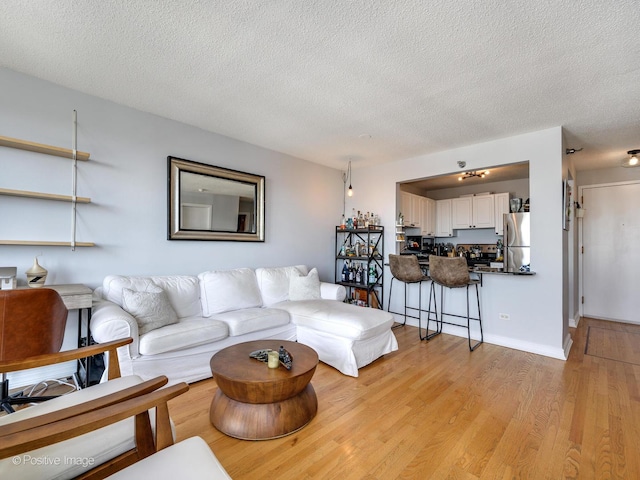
(611, 259)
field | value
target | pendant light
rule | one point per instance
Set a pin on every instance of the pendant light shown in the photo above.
(350, 191)
(632, 161)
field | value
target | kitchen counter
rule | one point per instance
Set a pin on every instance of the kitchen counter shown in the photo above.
(481, 269)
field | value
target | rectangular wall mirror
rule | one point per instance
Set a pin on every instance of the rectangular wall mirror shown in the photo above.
(214, 203)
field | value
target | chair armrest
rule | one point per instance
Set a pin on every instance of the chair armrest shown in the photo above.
(66, 355)
(41, 436)
(332, 291)
(100, 402)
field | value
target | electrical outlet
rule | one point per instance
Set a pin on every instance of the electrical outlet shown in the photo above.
(504, 316)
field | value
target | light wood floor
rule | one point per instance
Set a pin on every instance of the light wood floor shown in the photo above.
(435, 410)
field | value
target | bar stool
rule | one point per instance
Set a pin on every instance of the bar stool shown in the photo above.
(406, 269)
(453, 273)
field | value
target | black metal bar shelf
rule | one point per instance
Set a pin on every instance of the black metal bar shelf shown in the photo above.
(366, 292)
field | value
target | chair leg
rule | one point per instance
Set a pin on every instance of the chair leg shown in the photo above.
(472, 348)
(4, 399)
(398, 324)
(438, 330)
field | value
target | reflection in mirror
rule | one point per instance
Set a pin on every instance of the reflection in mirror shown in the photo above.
(214, 203)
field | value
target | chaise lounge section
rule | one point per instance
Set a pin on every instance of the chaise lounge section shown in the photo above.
(178, 322)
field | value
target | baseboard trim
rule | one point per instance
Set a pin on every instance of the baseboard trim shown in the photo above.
(568, 342)
(538, 349)
(573, 322)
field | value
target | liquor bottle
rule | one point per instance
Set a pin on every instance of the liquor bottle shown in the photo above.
(352, 274)
(367, 220)
(343, 222)
(358, 274)
(345, 272)
(373, 274)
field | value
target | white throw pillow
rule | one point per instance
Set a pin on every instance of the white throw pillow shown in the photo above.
(304, 288)
(151, 309)
(228, 290)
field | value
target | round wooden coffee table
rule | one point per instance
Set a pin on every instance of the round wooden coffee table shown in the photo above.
(255, 402)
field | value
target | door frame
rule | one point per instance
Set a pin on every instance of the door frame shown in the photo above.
(580, 237)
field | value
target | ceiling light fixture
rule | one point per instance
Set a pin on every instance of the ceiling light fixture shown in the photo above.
(632, 161)
(472, 174)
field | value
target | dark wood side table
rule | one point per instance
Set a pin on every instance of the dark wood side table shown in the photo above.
(255, 402)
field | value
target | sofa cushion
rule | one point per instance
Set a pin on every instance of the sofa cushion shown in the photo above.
(274, 283)
(188, 332)
(304, 287)
(183, 290)
(338, 318)
(151, 309)
(250, 320)
(227, 290)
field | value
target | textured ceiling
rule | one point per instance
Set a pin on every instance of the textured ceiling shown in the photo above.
(329, 80)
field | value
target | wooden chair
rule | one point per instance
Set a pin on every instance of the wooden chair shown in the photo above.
(32, 325)
(154, 455)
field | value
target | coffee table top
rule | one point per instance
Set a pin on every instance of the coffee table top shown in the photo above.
(249, 380)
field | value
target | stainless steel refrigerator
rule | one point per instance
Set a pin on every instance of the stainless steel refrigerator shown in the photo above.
(517, 242)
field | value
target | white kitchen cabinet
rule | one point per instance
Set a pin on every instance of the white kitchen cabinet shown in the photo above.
(501, 207)
(411, 208)
(483, 211)
(443, 218)
(416, 211)
(428, 224)
(473, 212)
(461, 213)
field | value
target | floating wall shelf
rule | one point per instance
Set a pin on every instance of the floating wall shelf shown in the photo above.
(41, 148)
(43, 196)
(45, 244)
(72, 154)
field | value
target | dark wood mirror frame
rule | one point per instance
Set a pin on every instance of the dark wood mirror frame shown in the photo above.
(213, 203)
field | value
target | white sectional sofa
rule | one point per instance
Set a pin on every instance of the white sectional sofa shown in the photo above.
(216, 309)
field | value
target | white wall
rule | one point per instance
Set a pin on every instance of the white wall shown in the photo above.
(126, 178)
(534, 303)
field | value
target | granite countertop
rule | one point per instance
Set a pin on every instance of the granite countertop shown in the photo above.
(484, 269)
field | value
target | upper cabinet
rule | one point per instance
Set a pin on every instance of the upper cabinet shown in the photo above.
(443, 218)
(428, 217)
(473, 212)
(411, 209)
(500, 208)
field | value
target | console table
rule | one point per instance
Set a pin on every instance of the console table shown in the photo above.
(78, 297)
